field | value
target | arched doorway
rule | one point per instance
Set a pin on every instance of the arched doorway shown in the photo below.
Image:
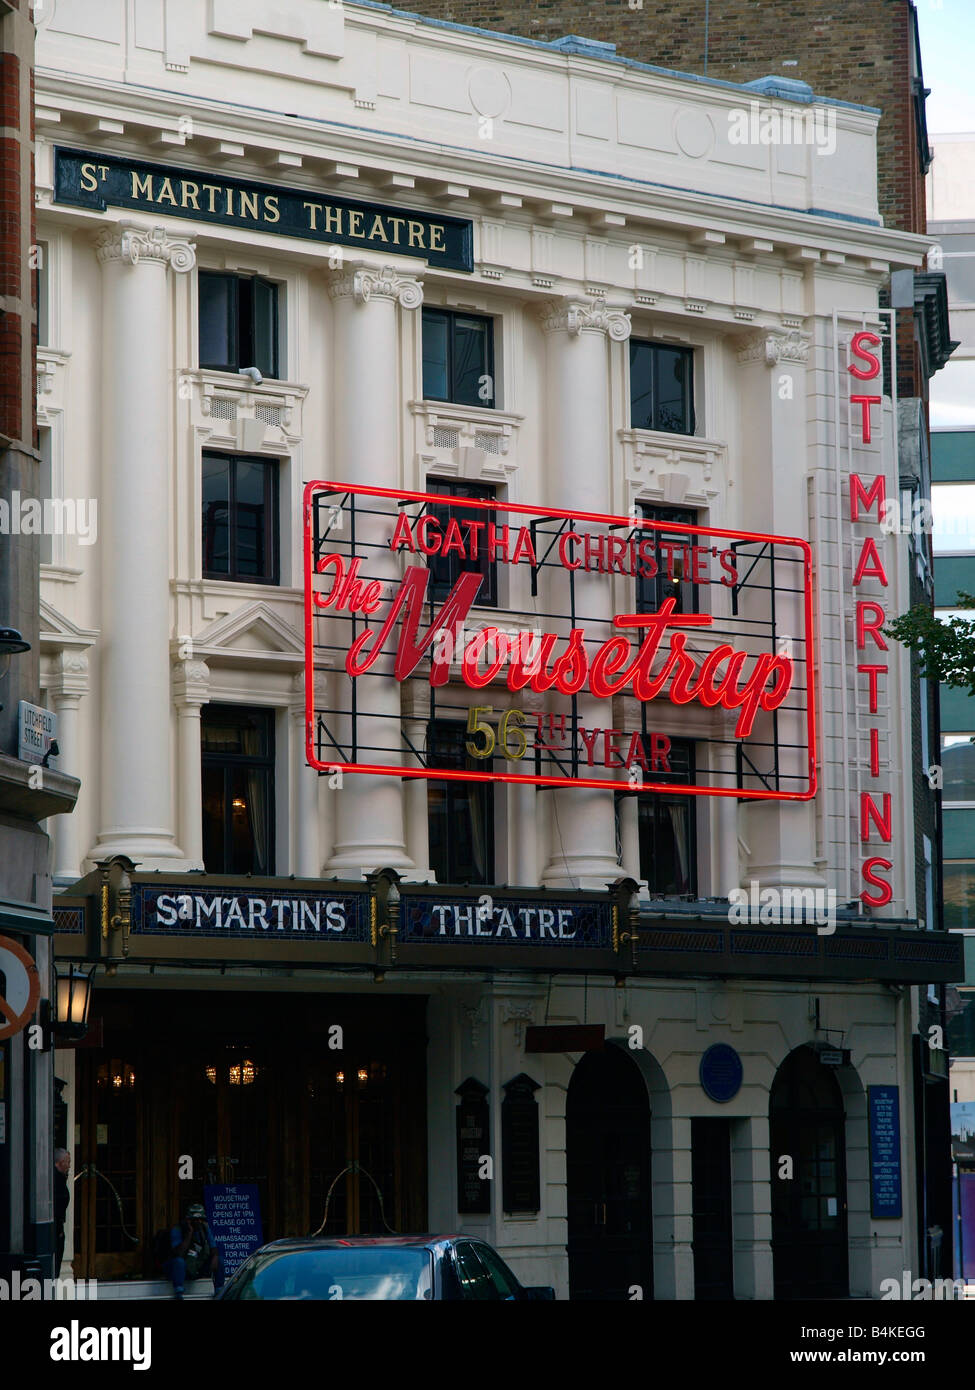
(607, 1123)
(809, 1221)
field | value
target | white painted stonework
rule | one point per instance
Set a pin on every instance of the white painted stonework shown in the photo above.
(607, 200)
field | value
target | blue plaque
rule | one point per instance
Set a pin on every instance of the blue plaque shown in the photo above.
(883, 1104)
(234, 1217)
(721, 1072)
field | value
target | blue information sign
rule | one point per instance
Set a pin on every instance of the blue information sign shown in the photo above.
(721, 1072)
(234, 1218)
(885, 1151)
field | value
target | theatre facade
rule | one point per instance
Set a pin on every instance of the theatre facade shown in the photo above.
(496, 808)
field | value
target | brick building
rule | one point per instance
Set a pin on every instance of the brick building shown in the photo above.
(28, 795)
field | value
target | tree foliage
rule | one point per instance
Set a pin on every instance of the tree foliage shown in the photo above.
(945, 647)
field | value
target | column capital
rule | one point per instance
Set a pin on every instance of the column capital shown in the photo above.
(191, 684)
(362, 285)
(773, 348)
(575, 316)
(132, 242)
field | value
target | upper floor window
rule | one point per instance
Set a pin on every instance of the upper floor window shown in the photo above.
(446, 569)
(240, 518)
(238, 323)
(460, 815)
(671, 554)
(458, 358)
(668, 841)
(661, 387)
(238, 790)
(40, 256)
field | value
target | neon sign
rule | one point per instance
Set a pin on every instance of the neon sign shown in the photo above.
(371, 612)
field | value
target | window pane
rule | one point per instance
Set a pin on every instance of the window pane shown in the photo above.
(216, 515)
(471, 365)
(641, 386)
(214, 856)
(43, 280)
(251, 557)
(958, 763)
(218, 341)
(953, 505)
(673, 390)
(672, 558)
(435, 338)
(47, 490)
(460, 815)
(959, 894)
(265, 328)
(445, 569)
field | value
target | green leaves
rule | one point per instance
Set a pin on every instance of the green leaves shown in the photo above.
(945, 647)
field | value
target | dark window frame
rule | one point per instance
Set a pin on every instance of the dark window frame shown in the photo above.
(456, 792)
(272, 548)
(656, 350)
(451, 316)
(650, 593)
(446, 570)
(228, 763)
(242, 324)
(658, 802)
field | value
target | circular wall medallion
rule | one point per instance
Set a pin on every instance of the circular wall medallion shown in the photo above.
(721, 1072)
(489, 91)
(694, 133)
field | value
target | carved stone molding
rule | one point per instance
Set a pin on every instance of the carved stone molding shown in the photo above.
(773, 348)
(69, 677)
(475, 1017)
(131, 243)
(191, 683)
(387, 283)
(574, 317)
(520, 1014)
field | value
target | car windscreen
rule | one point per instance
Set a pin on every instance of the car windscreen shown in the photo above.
(351, 1272)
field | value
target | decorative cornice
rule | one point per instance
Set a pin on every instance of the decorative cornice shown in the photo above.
(387, 283)
(573, 317)
(773, 348)
(191, 683)
(129, 242)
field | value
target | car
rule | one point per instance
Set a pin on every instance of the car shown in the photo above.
(452, 1267)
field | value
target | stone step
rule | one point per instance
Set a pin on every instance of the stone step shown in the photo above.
(156, 1290)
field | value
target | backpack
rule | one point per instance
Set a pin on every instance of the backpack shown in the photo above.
(162, 1247)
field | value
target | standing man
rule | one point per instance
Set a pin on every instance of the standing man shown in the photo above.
(62, 1199)
(193, 1252)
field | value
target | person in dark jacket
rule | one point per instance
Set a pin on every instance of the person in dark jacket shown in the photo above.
(62, 1200)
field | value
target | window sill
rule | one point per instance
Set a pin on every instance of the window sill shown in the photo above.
(466, 440)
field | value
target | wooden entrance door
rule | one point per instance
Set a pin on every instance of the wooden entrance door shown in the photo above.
(608, 1170)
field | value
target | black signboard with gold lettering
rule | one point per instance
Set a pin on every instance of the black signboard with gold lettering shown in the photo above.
(98, 180)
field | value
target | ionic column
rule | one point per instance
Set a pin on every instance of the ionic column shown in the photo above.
(307, 837)
(191, 691)
(136, 798)
(370, 830)
(66, 690)
(583, 848)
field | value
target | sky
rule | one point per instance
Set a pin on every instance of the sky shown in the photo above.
(947, 29)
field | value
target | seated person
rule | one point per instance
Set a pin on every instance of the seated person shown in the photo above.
(194, 1253)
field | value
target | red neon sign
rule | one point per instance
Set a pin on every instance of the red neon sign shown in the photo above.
(750, 683)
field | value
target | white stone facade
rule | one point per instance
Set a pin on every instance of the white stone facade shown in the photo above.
(606, 200)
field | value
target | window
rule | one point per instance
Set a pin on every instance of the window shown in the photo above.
(458, 358)
(672, 556)
(238, 323)
(446, 569)
(661, 387)
(238, 790)
(460, 815)
(240, 518)
(958, 767)
(475, 1281)
(43, 295)
(953, 508)
(501, 1276)
(668, 842)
